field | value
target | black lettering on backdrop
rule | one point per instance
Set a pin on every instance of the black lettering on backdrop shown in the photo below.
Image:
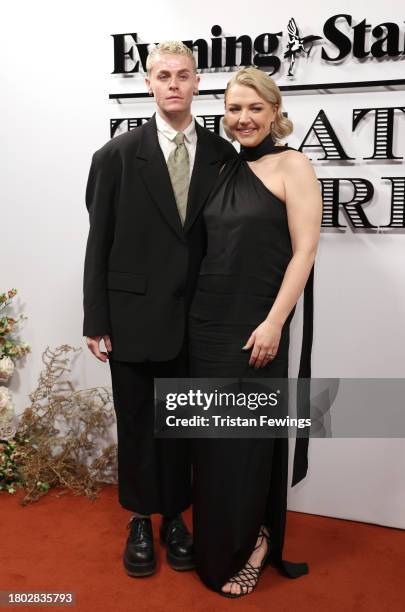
(201, 46)
(359, 39)
(232, 44)
(327, 138)
(121, 55)
(243, 51)
(383, 129)
(363, 192)
(337, 38)
(397, 201)
(216, 47)
(265, 45)
(391, 39)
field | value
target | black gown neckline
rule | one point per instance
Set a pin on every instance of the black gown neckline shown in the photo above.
(265, 147)
(260, 182)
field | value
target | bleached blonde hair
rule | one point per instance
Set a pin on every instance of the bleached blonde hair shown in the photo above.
(175, 47)
(267, 89)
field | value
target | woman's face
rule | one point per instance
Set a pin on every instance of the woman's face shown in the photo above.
(248, 116)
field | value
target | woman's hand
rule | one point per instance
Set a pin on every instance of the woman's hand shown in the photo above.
(265, 340)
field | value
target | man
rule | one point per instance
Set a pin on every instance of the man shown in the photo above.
(145, 193)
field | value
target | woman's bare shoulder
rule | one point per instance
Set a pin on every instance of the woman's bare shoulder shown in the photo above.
(289, 162)
(296, 159)
(292, 156)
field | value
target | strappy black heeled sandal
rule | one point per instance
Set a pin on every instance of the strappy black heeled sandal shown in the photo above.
(248, 577)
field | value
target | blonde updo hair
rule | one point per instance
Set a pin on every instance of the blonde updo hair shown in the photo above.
(268, 90)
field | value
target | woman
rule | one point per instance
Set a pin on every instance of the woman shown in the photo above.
(263, 224)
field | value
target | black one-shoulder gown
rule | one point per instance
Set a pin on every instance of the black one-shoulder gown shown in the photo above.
(238, 483)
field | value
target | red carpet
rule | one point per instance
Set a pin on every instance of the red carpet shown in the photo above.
(72, 544)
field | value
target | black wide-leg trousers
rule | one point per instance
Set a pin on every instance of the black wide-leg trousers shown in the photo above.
(154, 474)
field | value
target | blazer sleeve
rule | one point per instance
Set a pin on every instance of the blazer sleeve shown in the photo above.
(101, 198)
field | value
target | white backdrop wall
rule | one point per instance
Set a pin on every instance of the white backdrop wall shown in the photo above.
(56, 77)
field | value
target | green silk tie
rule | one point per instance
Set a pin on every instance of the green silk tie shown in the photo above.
(178, 165)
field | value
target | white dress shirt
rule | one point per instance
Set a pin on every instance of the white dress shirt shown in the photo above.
(166, 135)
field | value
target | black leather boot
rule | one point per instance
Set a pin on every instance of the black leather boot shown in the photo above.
(179, 543)
(139, 555)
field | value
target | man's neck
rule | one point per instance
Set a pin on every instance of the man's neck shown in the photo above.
(178, 121)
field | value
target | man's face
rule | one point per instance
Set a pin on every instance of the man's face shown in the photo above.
(172, 81)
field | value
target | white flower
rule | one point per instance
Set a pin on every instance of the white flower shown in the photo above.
(5, 397)
(6, 413)
(6, 368)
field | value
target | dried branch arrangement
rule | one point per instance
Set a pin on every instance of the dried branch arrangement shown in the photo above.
(64, 438)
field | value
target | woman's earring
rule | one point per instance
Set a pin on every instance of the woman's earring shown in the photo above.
(271, 126)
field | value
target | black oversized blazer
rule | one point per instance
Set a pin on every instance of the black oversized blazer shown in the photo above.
(141, 264)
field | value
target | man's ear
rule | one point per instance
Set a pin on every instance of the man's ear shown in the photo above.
(148, 86)
(197, 81)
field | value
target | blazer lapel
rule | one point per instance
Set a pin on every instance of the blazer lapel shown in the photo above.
(156, 176)
(205, 171)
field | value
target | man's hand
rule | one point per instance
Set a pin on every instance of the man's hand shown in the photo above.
(93, 342)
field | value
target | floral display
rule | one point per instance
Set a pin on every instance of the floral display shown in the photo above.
(11, 350)
(63, 439)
